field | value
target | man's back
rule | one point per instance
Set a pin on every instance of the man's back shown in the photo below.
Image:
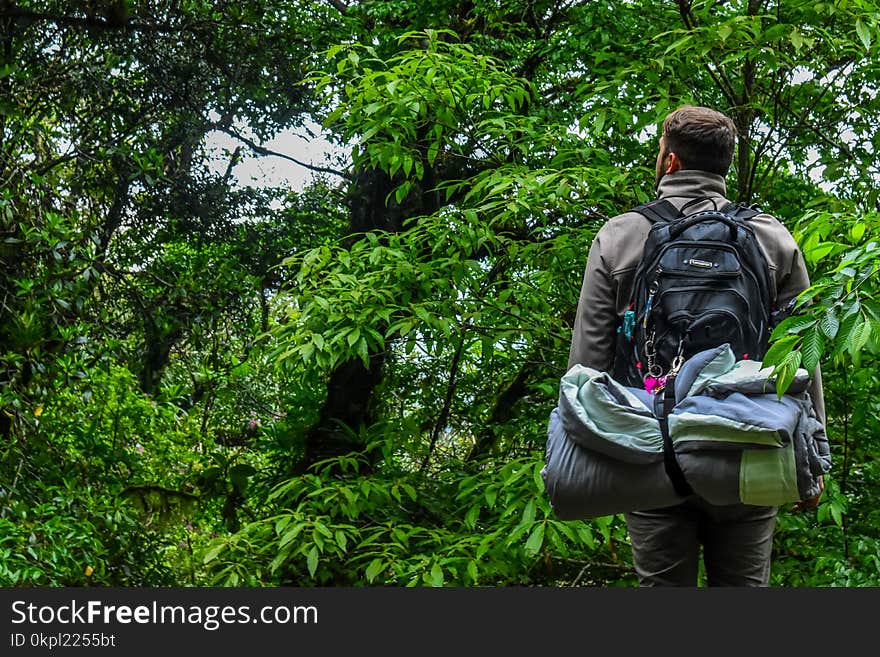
(695, 153)
(617, 249)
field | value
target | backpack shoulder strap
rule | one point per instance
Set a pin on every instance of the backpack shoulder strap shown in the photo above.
(741, 210)
(660, 211)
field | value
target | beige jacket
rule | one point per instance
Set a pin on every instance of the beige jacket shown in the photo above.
(616, 250)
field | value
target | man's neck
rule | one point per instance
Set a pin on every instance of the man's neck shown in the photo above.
(692, 183)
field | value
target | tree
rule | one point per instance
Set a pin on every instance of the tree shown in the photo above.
(350, 383)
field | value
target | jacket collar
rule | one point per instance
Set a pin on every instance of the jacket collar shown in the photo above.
(692, 183)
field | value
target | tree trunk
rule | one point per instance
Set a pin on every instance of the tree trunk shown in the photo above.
(502, 411)
(347, 407)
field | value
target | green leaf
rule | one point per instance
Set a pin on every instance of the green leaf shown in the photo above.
(860, 335)
(491, 496)
(341, 540)
(536, 539)
(872, 308)
(677, 45)
(836, 514)
(282, 523)
(529, 513)
(604, 524)
(846, 332)
(470, 518)
(794, 324)
(211, 554)
(585, 533)
(812, 349)
(312, 560)
(829, 324)
(437, 578)
(539, 480)
(857, 231)
(566, 529)
(363, 352)
(291, 534)
(279, 560)
(472, 571)
(433, 149)
(786, 371)
(864, 33)
(816, 253)
(779, 350)
(375, 567)
(402, 191)
(422, 314)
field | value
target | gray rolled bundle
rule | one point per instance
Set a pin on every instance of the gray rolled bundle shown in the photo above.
(734, 438)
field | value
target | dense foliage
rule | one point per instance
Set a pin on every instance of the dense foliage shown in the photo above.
(209, 381)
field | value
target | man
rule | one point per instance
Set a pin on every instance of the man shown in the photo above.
(695, 154)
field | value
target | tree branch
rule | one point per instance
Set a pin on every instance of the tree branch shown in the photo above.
(802, 122)
(262, 150)
(443, 418)
(107, 22)
(341, 6)
(720, 77)
(235, 159)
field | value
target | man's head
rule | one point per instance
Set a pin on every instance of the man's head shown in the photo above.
(696, 138)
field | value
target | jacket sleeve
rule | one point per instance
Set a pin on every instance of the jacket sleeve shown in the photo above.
(794, 280)
(595, 323)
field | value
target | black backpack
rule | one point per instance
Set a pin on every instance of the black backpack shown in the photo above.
(703, 280)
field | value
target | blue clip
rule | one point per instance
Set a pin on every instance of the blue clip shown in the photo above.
(629, 323)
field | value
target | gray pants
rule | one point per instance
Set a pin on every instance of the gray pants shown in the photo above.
(737, 542)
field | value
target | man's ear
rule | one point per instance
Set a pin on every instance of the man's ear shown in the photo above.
(671, 163)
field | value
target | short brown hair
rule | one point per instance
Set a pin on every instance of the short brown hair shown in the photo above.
(701, 137)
